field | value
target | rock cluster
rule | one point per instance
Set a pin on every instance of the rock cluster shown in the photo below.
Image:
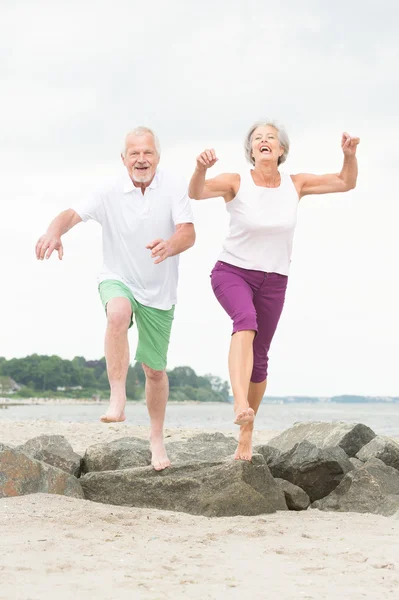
(328, 466)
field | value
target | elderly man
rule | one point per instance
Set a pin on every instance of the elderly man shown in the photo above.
(147, 222)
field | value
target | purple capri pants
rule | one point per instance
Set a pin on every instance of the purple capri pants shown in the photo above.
(254, 300)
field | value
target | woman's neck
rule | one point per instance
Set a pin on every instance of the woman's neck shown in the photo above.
(267, 175)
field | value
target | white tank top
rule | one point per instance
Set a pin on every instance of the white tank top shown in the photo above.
(262, 225)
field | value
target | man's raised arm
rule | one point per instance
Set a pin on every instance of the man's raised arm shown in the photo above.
(51, 240)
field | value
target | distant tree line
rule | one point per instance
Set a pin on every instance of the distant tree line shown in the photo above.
(52, 376)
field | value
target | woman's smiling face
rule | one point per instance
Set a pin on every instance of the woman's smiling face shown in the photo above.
(266, 145)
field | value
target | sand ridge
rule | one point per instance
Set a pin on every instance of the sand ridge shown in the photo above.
(58, 547)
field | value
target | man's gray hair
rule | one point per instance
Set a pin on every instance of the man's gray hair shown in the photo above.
(142, 131)
(282, 138)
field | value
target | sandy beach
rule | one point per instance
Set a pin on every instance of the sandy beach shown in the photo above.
(59, 547)
(82, 435)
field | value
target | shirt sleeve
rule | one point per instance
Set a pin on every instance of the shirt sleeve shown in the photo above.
(91, 208)
(182, 210)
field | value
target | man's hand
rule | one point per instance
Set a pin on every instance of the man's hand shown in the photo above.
(51, 240)
(206, 160)
(349, 144)
(160, 250)
(46, 246)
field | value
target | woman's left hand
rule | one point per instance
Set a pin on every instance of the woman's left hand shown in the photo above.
(349, 144)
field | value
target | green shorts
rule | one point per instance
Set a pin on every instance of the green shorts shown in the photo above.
(153, 324)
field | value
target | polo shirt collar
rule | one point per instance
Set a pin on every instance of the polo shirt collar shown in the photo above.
(130, 187)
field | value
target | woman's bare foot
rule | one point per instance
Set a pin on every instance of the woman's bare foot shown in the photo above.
(244, 416)
(244, 448)
(159, 458)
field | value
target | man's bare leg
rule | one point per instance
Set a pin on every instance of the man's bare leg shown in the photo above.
(255, 394)
(156, 394)
(119, 313)
(240, 368)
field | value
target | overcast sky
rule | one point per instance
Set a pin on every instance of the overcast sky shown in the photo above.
(75, 76)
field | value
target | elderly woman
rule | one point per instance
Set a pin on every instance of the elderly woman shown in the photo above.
(250, 278)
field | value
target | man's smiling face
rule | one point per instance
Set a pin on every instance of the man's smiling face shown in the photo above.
(141, 158)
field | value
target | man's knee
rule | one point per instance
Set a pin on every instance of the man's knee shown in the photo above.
(152, 374)
(119, 314)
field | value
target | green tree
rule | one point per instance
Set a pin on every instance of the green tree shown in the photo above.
(134, 387)
(219, 386)
(182, 376)
(42, 374)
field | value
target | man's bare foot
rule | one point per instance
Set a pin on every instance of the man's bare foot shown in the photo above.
(113, 417)
(244, 416)
(116, 411)
(159, 458)
(244, 448)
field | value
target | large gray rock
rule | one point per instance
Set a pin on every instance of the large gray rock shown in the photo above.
(124, 453)
(295, 497)
(316, 470)
(212, 489)
(134, 452)
(204, 447)
(54, 450)
(384, 449)
(356, 462)
(373, 488)
(348, 436)
(21, 474)
(268, 452)
(4, 447)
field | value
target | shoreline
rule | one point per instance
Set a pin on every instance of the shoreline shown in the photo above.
(6, 402)
(87, 402)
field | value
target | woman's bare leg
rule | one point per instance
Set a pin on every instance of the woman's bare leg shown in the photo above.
(240, 368)
(255, 394)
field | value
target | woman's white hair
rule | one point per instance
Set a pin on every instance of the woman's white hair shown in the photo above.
(142, 131)
(282, 138)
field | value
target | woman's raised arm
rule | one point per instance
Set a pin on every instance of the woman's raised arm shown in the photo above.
(200, 188)
(306, 183)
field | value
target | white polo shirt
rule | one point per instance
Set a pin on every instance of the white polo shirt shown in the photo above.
(130, 221)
